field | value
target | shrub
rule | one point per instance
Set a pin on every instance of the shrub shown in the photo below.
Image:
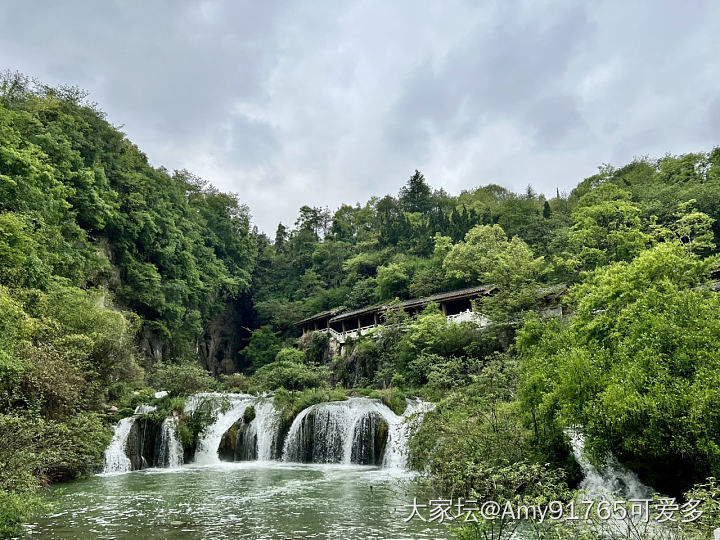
(15, 509)
(290, 375)
(237, 382)
(183, 379)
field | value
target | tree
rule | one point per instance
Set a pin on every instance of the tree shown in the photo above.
(693, 229)
(289, 371)
(486, 256)
(393, 281)
(264, 345)
(638, 366)
(416, 196)
(607, 228)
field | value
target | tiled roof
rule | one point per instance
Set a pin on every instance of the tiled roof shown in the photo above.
(324, 314)
(340, 314)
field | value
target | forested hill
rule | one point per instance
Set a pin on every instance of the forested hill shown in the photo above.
(118, 279)
(425, 241)
(83, 211)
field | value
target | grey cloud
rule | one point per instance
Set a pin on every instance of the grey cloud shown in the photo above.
(288, 103)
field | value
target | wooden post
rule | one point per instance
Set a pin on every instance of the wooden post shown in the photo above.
(359, 323)
(343, 327)
(376, 319)
(443, 307)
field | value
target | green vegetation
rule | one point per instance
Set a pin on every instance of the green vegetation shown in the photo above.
(117, 279)
(108, 267)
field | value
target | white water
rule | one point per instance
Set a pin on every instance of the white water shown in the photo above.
(343, 432)
(612, 482)
(263, 428)
(144, 409)
(170, 453)
(116, 460)
(337, 425)
(396, 453)
(228, 413)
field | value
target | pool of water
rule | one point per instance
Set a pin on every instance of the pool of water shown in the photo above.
(238, 500)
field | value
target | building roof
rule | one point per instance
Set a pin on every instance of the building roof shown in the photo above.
(323, 315)
(340, 314)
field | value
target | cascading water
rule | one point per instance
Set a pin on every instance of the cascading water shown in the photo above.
(401, 430)
(613, 482)
(262, 433)
(229, 411)
(170, 452)
(358, 430)
(116, 459)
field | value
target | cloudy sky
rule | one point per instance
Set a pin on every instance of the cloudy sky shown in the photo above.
(288, 103)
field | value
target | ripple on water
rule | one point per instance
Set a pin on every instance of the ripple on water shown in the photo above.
(260, 500)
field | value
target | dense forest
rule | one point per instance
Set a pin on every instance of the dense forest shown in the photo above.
(118, 279)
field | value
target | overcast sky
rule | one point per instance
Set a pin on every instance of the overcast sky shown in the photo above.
(291, 103)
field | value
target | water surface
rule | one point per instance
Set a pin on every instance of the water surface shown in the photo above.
(238, 500)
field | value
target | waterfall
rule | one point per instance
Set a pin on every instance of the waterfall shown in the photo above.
(144, 409)
(228, 413)
(401, 430)
(116, 459)
(614, 481)
(358, 430)
(261, 435)
(170, 452)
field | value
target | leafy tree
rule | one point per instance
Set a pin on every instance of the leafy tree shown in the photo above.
(182, 379)
(637, 365)
(289, 371)
(607, 228)
(393, 281)
(263, 348)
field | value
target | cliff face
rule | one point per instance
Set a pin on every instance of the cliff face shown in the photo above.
(224, 336)
(142, 443)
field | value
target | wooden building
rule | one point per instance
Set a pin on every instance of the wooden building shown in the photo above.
(341, 321)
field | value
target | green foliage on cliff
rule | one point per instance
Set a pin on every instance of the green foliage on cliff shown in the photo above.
(106, 265)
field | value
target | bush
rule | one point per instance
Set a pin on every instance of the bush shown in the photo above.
(262, 349)
(290, 376)
(288, 371)
(16, 509)
(237, 382)
(183, 379)
(290, 354)
(393, 398)
(190, 425)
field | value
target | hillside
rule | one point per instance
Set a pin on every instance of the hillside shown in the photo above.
(118, 279)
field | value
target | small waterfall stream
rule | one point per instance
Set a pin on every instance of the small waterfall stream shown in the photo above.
(170, 452)
(262, 433)
(116, 459)
(613, 481)
(400, 432)
(230, 412)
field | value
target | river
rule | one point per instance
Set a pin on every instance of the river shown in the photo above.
(258, 500)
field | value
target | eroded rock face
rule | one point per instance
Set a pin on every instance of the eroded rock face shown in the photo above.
(223, 337)
(143, 443)
(228, 443)
(237, 444)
